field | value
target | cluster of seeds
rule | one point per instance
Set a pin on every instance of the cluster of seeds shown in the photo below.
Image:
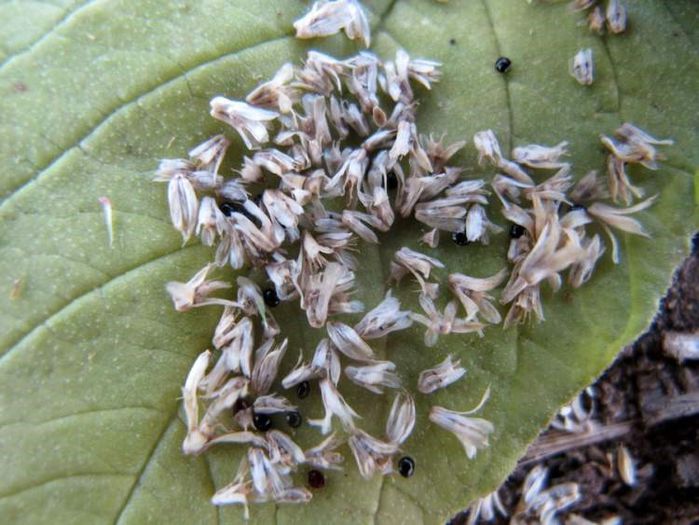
(550, 236)
(335, 156)
(538, 505)
(316, 112)
(630, 145)
(612, 17)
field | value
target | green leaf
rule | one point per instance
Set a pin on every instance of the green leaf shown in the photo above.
(93, 355)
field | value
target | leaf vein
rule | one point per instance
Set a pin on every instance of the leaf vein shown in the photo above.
(17, 343)
(126, 104)
(77, 414)
(60, 478)
(64, 20)
(139, 476)
(508, 98)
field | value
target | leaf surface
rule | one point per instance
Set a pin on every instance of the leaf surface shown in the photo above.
(93, 355)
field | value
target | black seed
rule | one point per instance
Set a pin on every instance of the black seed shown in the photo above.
(460, 238)
(228, 208)
(502, 64)
(452, 41)
(241, 404)
(271, 298)
(516, 231)
(392, 181)
(316, 479)
(586, 401)
(294, 419)
(406, 466)
(262, 422)
(303, 389)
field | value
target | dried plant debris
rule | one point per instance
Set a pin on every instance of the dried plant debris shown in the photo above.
(472, 432)
(539, 503)
(630, 145)
(330, 17)
(582, 67)
(335, 160)
(441, 376)
(626, 466)
(542, 503)
(486, 509)
(609, 15)
(682, 346)
(107, 215)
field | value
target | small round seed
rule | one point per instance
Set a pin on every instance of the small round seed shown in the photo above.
(303, 389)
(452, 41)
(262, 422)
(316, 479)
(294, 419)
(271, 298)
(502, 64)
(406, 466)
(516, 231)
(460, 238)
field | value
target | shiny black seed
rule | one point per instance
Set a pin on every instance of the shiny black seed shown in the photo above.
(502, 64)
(294, 419)
(406, 466)
(452, 41)
(392, 181)
(460, 238)
(271, 298)
(316, 479)
(262, 422)
(241, 404)
(516, 231)
(303, 389)
(228, 208)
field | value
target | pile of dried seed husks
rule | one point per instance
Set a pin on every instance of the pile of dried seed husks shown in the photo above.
(335, 156)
